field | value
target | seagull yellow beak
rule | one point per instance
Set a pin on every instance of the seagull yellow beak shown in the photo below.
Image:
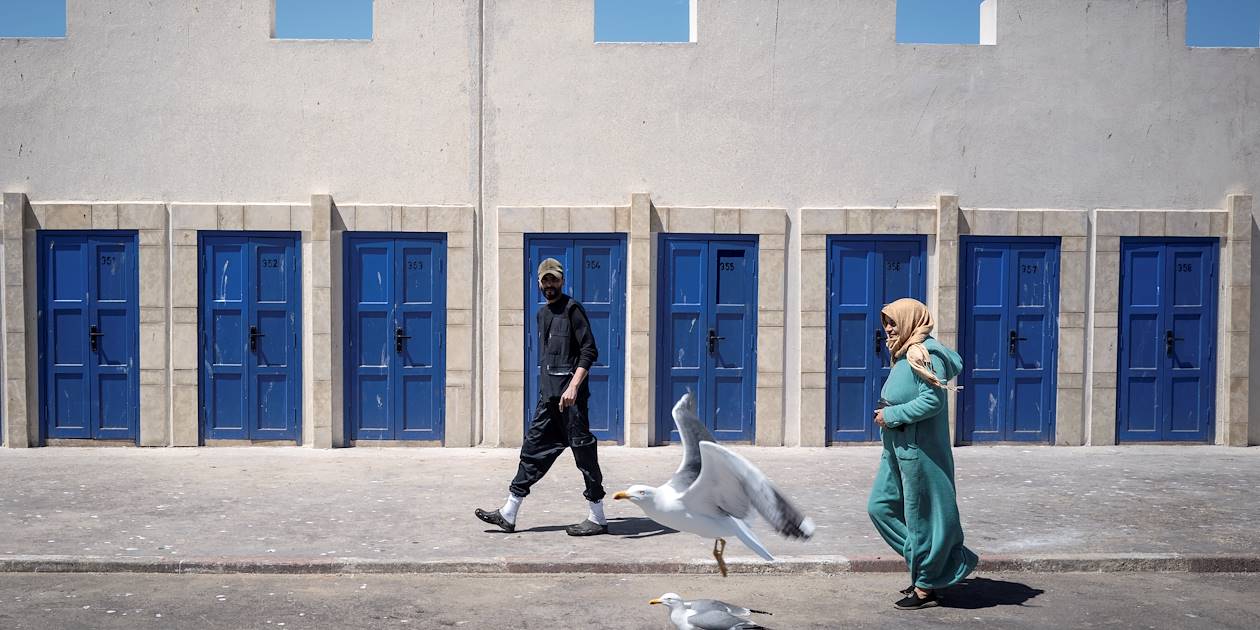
(655, 601)
(623, 495)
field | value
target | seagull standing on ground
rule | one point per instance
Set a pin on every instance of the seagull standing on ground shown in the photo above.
(707, 614)
(714, 491)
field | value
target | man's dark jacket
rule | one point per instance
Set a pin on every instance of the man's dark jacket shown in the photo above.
(565, 343)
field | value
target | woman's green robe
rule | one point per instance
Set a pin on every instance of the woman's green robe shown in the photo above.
(913, 503)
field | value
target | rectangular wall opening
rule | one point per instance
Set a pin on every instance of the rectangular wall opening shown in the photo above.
(972, 22)
(645, 21)
(322, 19)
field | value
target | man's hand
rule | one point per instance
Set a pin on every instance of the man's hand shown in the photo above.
(879, 418)
(568, 398)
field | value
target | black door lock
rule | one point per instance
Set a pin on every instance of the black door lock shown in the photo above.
(253, 338)
(94, 335)
(713, 339)
(1170, 341)
(1014, 340)
(398, 340)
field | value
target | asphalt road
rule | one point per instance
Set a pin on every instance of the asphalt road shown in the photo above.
(1016, 601)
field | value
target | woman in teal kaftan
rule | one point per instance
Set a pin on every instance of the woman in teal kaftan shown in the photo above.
(913, 502)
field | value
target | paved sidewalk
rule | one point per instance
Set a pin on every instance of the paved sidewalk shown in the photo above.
(410, 510)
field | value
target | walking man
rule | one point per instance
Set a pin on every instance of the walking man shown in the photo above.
(566, 351)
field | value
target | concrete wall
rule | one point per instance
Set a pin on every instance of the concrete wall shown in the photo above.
(508, 104)
(194, 101)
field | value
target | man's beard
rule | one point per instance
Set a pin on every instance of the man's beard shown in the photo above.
(550, 293)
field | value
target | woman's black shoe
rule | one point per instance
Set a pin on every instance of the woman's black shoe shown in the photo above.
(914, 602)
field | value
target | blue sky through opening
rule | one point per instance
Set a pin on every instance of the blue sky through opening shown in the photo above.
(32, 18)
(938, 21)
(642, 20)
(1231, 23)
(323, 19)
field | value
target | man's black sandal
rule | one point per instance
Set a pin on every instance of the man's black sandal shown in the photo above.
(586, 528)
(914, 602)
(494, 518)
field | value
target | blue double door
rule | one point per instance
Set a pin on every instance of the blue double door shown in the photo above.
(1008, 339)
(395, 336)
(250, 336)
(1167, 346)
(595, 272)
(707, 331)
(89, 335)
(863, 275)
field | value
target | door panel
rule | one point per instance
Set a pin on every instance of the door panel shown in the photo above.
(1167, 346)
(594, 275)
(250, 336)
(395, 346)
(420, 372)
(709, 292)
(864, 274)
(1009, 339)
(89, 338)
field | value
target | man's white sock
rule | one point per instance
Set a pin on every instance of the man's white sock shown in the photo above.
(596, 514)
(510, 508)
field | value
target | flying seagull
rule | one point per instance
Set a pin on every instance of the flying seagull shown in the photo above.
(714, 490)
(707, 614)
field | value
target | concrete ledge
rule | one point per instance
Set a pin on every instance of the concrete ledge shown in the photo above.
(797, 565)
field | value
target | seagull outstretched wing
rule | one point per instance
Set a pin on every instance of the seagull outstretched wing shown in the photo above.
(730, 484)
(693, 432)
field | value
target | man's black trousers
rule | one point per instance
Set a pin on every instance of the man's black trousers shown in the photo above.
(551, 431)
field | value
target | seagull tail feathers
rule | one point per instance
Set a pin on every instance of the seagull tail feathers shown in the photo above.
(807, 528)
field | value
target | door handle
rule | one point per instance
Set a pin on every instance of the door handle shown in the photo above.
(253, 338)
(398, 340)
(879, 342)
(94, 335)
(1013, 341)
(713, 339)
(1170, 341)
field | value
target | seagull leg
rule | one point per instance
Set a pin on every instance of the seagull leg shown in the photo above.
(719, 547)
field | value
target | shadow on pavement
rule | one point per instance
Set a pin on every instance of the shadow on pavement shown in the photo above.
(539, 529)
(637, 527)
(979, 593)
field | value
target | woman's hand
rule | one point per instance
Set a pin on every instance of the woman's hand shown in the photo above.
(879, 418)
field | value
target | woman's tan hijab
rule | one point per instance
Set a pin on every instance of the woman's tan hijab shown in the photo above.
(914, 324)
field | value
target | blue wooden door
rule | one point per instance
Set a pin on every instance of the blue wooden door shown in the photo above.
(1167, 347)
(89, 335)
(1009, 339)
(595, 275)
(395, 336)
(707, 331)
(863, 275)
(250, 329)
